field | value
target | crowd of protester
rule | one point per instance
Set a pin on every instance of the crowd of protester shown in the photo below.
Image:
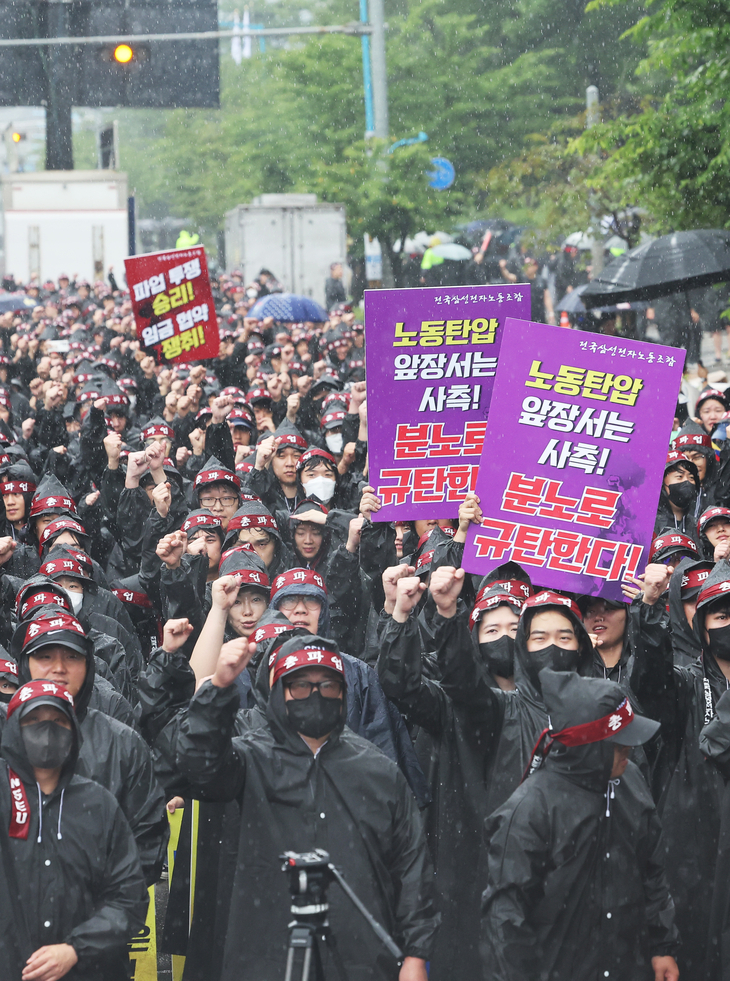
(201, 611)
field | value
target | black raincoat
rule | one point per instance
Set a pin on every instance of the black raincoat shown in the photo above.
(118, 758)
(349, 800)
(688, 790)
(576, 888)
(76, 879)
(510, 722)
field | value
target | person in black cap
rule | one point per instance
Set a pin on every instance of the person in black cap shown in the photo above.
(73, 893)
(678, 501)
(576, 887)
(53, 646)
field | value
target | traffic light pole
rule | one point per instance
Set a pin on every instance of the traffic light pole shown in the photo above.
(59, 134)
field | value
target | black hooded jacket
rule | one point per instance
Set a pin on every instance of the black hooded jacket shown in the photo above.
(453, 754)
(576, 887)
(348, 799)
(117, 757)
(688, 790)
(76, 879)
(509, 722)
(685, 645)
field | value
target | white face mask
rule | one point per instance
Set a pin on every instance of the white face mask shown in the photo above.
(76, 600)
(132, 400)
(334, 443)
(321, 487)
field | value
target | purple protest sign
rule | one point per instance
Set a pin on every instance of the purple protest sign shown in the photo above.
(572, 463)
(431, 361)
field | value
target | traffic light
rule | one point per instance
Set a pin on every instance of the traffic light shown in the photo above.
(125, 55)
(152, 74)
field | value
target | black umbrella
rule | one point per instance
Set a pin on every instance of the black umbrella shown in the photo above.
(573, 303)
(671, 264)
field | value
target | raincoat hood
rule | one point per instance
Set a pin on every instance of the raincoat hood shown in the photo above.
(528, 664)
(276, 712)
(715, 588)
(684, 638)
(35, 694)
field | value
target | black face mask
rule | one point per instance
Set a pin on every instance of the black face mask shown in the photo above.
(47, 744)
(557, 658)
(720, 642)
(5, 697)
(499, 656)
(682, 495)
(314, 716)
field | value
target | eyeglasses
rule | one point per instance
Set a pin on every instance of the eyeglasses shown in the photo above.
(303, 689)
(291, 602)
(226, 502)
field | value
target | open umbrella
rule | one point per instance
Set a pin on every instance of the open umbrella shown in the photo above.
(670, 264)
(452, 251)
(288, 307)
(13, 302)
(573, 303)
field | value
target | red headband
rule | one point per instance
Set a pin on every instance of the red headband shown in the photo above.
(202, 521)
(293, 440)
(39, 504)
(490, 602)
(45, 598)
(595, 732)
(60, 525)
(62, 567)
(9, 667)
(38, 689)
(694, 578)
(158, 429)
(691, 440)
(549, 598)
(425, 558)
(268, 631)
(308, 657)
(252, 521)
(217, 476)
(133, 598)
(17, 487)
(298, 577)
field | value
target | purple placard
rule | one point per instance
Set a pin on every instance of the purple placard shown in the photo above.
(572, 462)
(431, 361)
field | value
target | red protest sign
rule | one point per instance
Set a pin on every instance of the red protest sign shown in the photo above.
(173, 305)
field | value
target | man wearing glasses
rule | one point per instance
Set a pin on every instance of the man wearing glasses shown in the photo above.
(218, 490)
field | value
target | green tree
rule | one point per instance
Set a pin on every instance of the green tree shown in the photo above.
(671, 156)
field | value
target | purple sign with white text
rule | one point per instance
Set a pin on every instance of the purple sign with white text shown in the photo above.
(573, 459)
(431, 361)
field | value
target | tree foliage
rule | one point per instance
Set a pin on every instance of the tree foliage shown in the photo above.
(671, 157)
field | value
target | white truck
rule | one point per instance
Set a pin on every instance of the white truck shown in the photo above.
(293, 235)
(72, 221)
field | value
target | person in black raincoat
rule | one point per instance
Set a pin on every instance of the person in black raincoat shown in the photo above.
(306, 781)
(683, 699)
(510, 721)
(576, 886)
(72, 893)
(679, 500)
(715, 745)
(453, 754)
(694, 442)
(685, 585)
(53, 645)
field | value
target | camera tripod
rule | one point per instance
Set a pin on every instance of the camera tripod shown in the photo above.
(309, 875)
